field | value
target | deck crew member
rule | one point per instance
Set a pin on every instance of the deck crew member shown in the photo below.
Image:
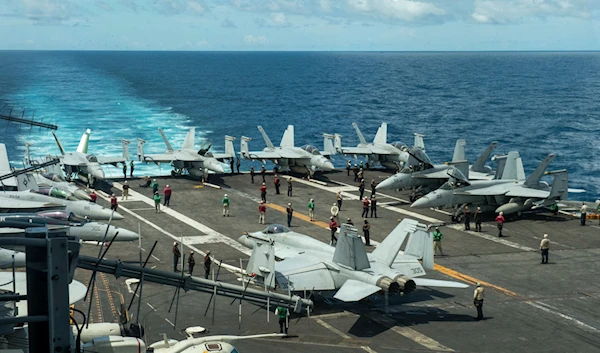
(365, 205)
(467, 215)
(339, 199)
(207, 262)
(191, 263)
(311, 209)
(554, 208)
(93, 196)
(290, 212)
(277, 183)
(437, 241)
(261, 212)
(167, 192)
(238, 163)
(583, 213)
(361, 188)
(125, 193)
(176, 256)
(262, 172)
(282, 314)
(154, 186)
(500, 223)
(226, 201)
(263, 192)
(545, 248)
(290, 187)
(367, 233)
(373, 206)
(373, 186)
(477, 219)
(333, 228)
(124, 170)
(478, 300)
(113, 203)
(252, 173)
(131, 168)
(335, 210)
(355, 171)
(157, 202)
(231, 165)
(348, 167)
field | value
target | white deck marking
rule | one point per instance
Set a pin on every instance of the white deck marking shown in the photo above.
(151, 307)
(333, 329)
(552, 310)
(491, 238)
(421, 339)
(368, 349)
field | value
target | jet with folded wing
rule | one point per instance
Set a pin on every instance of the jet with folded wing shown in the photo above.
(88, 165)
(509, 194)
(197, 162)
(420, 171)
(303, 159)
(347, 269)
(390, 155)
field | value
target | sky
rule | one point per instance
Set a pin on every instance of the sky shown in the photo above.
(300, 25)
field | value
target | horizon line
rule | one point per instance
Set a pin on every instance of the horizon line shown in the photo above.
(306, 51)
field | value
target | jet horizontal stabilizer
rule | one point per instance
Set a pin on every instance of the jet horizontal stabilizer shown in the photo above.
(426, 282)
(353, 291)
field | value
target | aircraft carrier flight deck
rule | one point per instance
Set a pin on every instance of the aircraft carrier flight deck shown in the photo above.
(528, 307)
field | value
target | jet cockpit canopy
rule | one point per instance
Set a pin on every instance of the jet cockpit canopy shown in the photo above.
(399, 145)
(311, 149)
(91, 158)
(204, 147)
(276, 229)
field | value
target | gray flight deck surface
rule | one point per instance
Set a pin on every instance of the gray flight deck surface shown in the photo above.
(528, 306)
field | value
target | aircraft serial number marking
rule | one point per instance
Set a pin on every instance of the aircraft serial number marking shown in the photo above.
(416, 270)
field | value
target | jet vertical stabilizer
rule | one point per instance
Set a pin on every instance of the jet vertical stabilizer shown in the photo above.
(381, 135)
(501, 162)
(560, 186)
(361, 138)
(83, 143)
(350, 250)
(479, 165)
(188, 142)
(337, 142)
(125, 145)
(169, 148)
(420, 245)
(387, 251)
(459, 151)
(60, 146)
(27, 155)
(266, 138)
(26, 182)
(262, 262)
(140, 149)
(229, 149)
(328, 144)
(288, 137)
(244, 146)
(510, 170)
(419, 143)
(534, 178)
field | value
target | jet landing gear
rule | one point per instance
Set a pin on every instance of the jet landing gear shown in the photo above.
(176, 172)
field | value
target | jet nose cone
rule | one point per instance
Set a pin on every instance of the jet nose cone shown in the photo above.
(82, 195)
(126, 235)
(423, 202)
(118, 216)
(98, 174)
(327, 166)
(386, 184)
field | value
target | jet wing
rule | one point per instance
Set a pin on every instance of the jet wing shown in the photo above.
(356, 150)
(72, 160)
(264, 155)
(426, 282)
(286, 153)
(520, 191)
(13, 204)
(487, 191)
(304, 272)
(353, 291)
(110, 160)
(286, 252)
(170, 157)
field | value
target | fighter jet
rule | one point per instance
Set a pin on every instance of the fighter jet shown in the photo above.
(507, 195)
(83, 229)
(348, 269)
(88, 165)
(62, 189)
(196, 162)
(390, 155)
(302, 159)
(421, 172)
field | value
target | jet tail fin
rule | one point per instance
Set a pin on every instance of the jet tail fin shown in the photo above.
(534, 178)
(479, 165)
(266, 138)
(350, 250)
(288, 137)
(420, 245)
(26, 182)
(60, 147)
(361, 138)
(229, 149)
(140, 149)
(337, 142)
(27, 154)
(459, 151)
(328, 144)
(188, 142)
(262, 262)
(387, 251)
(169, 148)
(125, 145)
(419, 143)
(381, 135)
(244, 151)
(83, 143)
(510, 170)
(560, 186)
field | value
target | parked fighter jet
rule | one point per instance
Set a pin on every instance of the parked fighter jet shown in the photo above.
(64, 189)
(303, 159)
(421, 172)
(390, 155)
(196, 162)
(84, 229)
(88, 165)
(507, 195)
(348, 269)
(10, 183)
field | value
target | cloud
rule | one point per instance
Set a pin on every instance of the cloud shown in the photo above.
(388, 11)
(279, 20)
(250, 39)
(511, 11)
(48, 12)
(228, 24)
(103, 5)
(178, 7)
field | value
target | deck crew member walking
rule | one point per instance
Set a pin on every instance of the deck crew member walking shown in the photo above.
(311, 209)
(544, 248)
(478, 300)
(290, 212)
(191, 262)
(437, 241)
(225, 202)
(500, 223)
(583, 213)
(261, 212)
(333, 228)
(167, 192)
(207, 262)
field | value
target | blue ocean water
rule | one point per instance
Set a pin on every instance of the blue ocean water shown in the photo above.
(533, 102)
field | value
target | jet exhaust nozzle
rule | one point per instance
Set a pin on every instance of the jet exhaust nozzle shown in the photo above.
(405, 284)
(388, 285)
